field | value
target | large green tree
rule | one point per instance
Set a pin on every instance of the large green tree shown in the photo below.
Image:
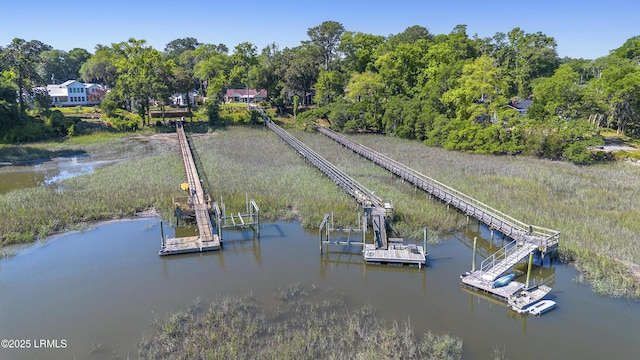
(527, 57)
(558, 97)
(326, 37)
(101, 67)
(22, 58)
(212, 70)
(358, 50)
(299, 72)
(176, 47)
(60, 65)
(140, 69)
(621, 85)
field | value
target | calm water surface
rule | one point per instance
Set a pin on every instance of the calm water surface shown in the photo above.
(47, 172)
(100, 290)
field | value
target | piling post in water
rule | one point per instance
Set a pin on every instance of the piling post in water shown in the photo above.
(424, 241)
(258, 220)
(364, 229)
(473, 257)
(529, 269)
(162, 234)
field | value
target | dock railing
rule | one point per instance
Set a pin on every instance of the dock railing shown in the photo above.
(493, 218)
(362, 195)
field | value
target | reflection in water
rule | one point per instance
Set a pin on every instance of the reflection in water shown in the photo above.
(46, 173)
(84, 286)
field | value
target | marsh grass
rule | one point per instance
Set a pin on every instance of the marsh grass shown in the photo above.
(242, 328)
(239, 161)
(596, 208)
(146, 180)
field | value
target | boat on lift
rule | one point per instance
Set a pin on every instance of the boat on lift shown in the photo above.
(503, 280)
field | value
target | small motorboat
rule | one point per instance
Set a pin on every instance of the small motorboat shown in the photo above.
(503, 280)
(542, 307)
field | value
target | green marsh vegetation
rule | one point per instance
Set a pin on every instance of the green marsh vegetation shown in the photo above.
(240, 161)
(146, 177)
(297, 328)
(594, 207)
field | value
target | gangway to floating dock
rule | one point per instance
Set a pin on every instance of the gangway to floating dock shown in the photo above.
(527, 238)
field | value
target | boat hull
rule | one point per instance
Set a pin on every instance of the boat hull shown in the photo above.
(504, 280)
(542, 307)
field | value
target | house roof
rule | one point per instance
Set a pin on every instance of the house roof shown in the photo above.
(62, 89)
(522, 104)
(69, 82)
(57, 90)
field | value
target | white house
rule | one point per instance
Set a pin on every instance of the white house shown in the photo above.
(74, 93)
(181, 99)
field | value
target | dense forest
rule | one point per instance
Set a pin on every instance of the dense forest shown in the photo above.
(451, 90)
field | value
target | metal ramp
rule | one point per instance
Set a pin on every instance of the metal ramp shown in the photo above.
(379, 228)
(505, 258)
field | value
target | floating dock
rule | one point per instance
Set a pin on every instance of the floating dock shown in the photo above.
(396, 252)
(514, 294)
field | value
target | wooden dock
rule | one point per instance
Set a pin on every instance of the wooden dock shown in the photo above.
(395, 253)
(476, 280)
(545, 239)
(376, 209)
(515, 294)
(206, 240)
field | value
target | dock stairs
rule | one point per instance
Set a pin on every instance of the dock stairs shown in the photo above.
(502, 260)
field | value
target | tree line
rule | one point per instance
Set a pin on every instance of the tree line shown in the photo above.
(451, 90)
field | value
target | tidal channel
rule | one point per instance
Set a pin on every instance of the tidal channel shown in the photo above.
(99, 290)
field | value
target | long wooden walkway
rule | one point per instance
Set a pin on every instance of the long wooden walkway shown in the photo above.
(363, 196)
(206, 239)
(528, 237)
(376, 206)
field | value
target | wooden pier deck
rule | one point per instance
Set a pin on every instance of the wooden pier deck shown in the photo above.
(395, 254)
(375, 206)
(206, 239)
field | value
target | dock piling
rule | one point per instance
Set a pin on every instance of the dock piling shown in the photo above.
(426, 230)
(529, 270)
(473, 257)
(162, 234)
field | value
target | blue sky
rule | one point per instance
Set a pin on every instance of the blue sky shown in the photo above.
(587, 29)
